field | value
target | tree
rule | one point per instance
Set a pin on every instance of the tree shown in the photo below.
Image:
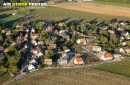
(89, 31)
(107, 22)
(39, 27)
(65, 48)
(72, 27)
(112, 44)
(59, 50)
(105, 40)
(14, 69)
(128, 43)
(90, 59)
(103, 32)
(47, 56)
(114, 38)
(15, 24)
(1, 2)
(1, 62)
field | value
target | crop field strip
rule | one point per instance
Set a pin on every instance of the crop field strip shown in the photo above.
(75, 77)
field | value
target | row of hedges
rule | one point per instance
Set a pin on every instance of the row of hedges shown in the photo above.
(116, 1)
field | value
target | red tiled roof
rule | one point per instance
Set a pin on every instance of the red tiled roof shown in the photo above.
(107, 55)
(79, 59)
(51, 46)
(25, 37)
(34, 34)
(50, 28)
(24, 23)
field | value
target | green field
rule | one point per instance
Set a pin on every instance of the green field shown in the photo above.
(55, 14)
(7, 17)
(121, 68)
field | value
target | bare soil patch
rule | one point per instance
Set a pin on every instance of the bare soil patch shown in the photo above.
(96, 8)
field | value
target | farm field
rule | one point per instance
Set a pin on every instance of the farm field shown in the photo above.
(60, 14)
(110, 3)
(86, 76)
(96, 8)
(7, 17)
(121, 68)
(4, 77)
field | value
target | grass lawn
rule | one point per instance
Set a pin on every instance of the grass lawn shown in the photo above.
(121, 68)
(115, 4)
(55, 14)
(4, 77)
(84, 76)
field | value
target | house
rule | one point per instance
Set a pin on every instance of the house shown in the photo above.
(27, 30)
(128, 37)
(51, 46)
(63, 59)
(126, 49)
(2, 56)
(21, 29)
(111, 31)
(48, 61)
(97, 48)
(106, 56)
(124, 33)
(61, 24)
(1, 48)
(81, 41)
(24, 23)
(31, 67)
(56, 32)
(33, 30)
(33, 61)
(116, 55)
(34, 42)
(8, 32)
(14, 44)
(89, 39)
(124, 44)
(34, 51)
(40, 42)
(34, 36)
(121, 38)
(6, 50)
(50, 28)
(121, 50)
(25, 37)
(78, 60)
(39, 54)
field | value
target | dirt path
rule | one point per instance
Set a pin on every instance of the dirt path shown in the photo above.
(96, 8)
